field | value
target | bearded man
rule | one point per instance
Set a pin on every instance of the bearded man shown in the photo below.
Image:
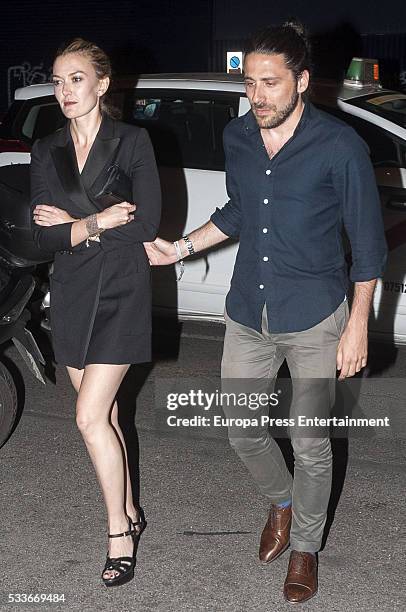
(295, 175)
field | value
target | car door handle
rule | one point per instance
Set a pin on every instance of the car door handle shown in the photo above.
(396, 204)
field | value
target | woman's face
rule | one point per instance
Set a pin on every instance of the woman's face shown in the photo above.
(76, 86)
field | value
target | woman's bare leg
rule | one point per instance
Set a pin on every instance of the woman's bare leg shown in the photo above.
(97, 391)
(133, 512)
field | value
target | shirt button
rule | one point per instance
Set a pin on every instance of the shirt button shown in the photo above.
(267, 172)
(261, 286)
(265, 230)
(265, 258)
(266, 201)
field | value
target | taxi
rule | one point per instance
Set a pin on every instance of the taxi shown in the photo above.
(185, 115)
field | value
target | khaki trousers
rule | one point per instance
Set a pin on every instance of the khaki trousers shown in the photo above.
(311, 356)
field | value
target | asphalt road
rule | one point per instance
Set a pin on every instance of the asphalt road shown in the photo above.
(199, 551)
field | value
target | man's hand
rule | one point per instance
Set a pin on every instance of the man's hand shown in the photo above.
(160, 252)
(352, 350)
(47, 215)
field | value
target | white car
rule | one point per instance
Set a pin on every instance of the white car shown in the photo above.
(185, 116)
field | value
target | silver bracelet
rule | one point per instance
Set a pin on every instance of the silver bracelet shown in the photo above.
(189, 244)
(91, 225)
(180, 260)
(177, 249)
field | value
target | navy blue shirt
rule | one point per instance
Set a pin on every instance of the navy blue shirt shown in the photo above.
(288, 213)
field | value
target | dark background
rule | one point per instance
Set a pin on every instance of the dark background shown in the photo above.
(180, 36)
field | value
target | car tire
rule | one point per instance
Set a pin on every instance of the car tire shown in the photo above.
(8, 404)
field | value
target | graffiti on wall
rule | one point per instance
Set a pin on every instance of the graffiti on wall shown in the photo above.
(25, 74)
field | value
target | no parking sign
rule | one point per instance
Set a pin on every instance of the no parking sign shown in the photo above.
(234, 62)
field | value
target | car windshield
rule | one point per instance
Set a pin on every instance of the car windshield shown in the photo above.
(391, 106)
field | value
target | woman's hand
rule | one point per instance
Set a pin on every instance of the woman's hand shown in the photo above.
(47, 215)
(116, 215)
(161, 252)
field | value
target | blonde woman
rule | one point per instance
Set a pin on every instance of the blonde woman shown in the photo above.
(100, 286)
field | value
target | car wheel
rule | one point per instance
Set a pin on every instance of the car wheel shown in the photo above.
(8, 404)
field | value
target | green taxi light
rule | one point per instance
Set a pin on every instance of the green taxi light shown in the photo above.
(362, 72)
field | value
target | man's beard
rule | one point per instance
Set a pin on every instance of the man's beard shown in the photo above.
(279, 116)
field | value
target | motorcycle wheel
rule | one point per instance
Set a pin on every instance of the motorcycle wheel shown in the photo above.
(8, 404)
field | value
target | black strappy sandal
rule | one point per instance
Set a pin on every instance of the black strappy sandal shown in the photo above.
(139, 526)
(123, 565)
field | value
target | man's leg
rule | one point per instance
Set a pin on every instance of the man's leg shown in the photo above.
(251, 355)
(311, 357)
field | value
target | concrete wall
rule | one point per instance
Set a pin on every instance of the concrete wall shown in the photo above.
(169, 35)
(237, 18)
(140, 36)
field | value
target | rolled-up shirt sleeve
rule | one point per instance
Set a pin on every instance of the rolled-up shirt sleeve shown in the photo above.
(228, 218)
(355, 184)
(56, 237)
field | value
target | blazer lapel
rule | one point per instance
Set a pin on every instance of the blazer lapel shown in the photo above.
(102, 153)
(64, 157)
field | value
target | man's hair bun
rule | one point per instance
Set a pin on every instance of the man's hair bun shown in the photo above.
(295, 25)
(289, 39)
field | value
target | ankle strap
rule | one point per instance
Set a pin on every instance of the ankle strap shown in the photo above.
(120, 535)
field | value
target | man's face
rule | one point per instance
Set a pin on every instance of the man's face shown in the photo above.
(271, 88)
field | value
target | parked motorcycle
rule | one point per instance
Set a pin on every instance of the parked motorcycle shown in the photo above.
(20, 261)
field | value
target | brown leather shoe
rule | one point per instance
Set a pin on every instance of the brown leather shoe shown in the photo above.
(301, 580)
(275, 535)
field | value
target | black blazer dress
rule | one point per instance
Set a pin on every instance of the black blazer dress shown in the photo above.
(100, 291)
